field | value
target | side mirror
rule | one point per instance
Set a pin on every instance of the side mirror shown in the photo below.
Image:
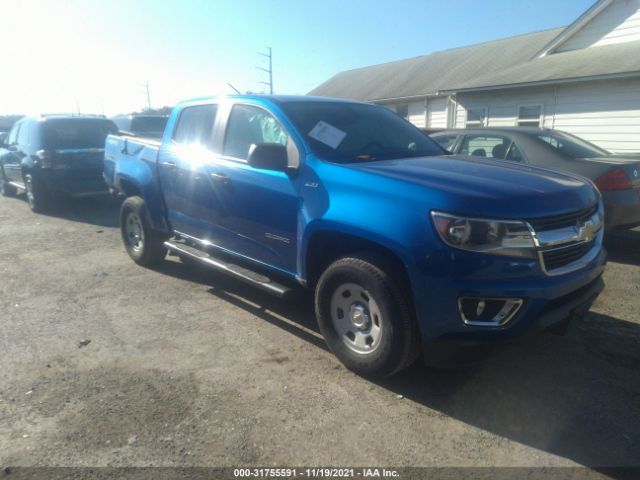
(268, 156)
(3, 140)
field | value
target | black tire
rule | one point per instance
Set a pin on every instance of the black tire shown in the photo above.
(38, 198)
(6, 189)
(144, 245)
(396, 345)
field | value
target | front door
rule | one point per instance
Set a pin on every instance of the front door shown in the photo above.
(258, 208)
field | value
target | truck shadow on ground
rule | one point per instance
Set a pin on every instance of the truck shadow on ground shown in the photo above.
(100, 211)
(576, 396)
(623, 246)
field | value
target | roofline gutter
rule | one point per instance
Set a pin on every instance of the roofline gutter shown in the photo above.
(411, 97)
(580, 22)
(608, 76)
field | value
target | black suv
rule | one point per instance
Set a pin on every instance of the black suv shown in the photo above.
(51, 156)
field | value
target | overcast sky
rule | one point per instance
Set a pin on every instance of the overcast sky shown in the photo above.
(61, 55)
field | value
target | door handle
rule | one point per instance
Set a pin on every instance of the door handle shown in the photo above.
(220, 177)
(169, 165)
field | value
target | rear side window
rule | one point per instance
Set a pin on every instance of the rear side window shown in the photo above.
(23, 135)
(249, 125)
(71, 133)
(485, 146)
(13, 135)
(195, 125)
(446, 141)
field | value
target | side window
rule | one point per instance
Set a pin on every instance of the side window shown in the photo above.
(476, 117)
(249, 125)
(485, 146)
(515, 155)
(23, 134)
(446, 141)
(529, 116)
(195, 125)
(13, 135)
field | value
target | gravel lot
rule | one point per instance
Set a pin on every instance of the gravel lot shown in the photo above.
(188, 367)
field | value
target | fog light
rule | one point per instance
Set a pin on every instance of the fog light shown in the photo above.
(488, 312)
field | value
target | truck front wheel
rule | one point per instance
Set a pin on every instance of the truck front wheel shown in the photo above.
(144, 245)
(365, 316)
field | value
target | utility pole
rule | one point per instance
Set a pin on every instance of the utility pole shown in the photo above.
(269, 71)
(146, 84)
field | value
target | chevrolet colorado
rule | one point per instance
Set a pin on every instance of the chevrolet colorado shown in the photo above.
(406, 249)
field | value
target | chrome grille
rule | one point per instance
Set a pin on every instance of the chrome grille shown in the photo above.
(559, 257)
(565, 220)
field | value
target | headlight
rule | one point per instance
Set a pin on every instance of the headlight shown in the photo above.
(495, 237)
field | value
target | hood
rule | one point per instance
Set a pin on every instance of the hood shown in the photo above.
(487, 187)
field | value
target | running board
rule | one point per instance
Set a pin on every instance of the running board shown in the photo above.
(19, 186)
(261, 281)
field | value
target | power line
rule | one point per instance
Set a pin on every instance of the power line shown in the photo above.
(269, 71)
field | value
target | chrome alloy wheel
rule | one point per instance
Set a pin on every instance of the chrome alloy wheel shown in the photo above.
(356, 318)
(134, 232)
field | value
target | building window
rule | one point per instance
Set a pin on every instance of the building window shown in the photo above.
(403, 110)
(476, 117)
(529, 116)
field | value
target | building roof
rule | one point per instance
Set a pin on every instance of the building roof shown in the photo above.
(512, 62)
(618, 60)
(428, 74)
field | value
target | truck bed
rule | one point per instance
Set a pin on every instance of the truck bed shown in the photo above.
(125, 152)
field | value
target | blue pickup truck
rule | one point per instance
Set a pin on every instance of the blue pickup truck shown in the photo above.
(407, 249)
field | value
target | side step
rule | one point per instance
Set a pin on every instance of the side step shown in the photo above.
(261, 281)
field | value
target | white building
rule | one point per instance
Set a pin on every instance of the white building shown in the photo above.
(583, 79)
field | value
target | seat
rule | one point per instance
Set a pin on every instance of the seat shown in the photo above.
(499, 151)
(479, 152)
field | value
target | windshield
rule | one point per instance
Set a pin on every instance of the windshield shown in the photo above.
(570, 146)
(148, 125)
(351, 132)
(77, 133)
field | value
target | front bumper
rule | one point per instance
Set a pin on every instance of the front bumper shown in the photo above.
(547, 300)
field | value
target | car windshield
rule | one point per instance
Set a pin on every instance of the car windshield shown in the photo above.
(570, 146)
(148, 125)
(349, 132)
(77, 133)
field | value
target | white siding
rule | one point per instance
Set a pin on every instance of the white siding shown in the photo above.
(417, 113)
(618, 23)
(426, 113)
(606, 113)
(437, 113)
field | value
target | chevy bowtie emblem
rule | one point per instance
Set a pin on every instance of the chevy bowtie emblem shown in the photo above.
(586, 231)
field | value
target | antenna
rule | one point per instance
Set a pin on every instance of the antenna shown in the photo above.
(237, 91)
(269, 71)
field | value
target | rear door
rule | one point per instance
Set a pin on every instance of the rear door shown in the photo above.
(75, 149)
(11, 161)
(191, 208)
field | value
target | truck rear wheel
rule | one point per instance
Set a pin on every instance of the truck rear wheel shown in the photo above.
(365, 318)
(144, 245)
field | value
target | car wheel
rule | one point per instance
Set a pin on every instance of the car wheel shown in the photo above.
(6, 189)
(365, 318)
(37, 197)
(143, 244)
